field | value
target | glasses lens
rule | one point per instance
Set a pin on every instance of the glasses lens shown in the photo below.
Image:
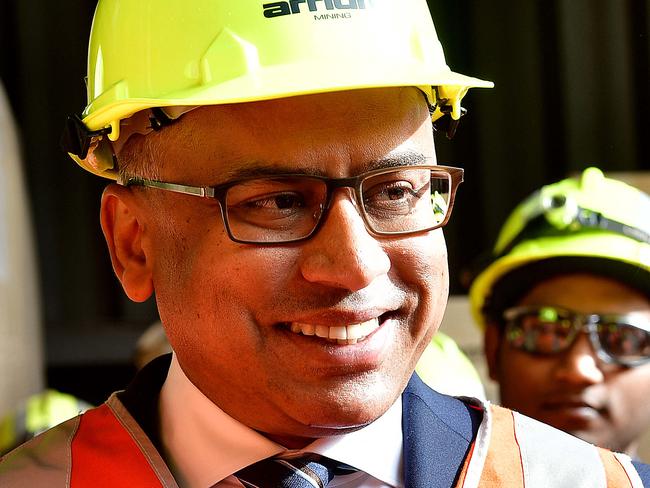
(278, 209)
(406, 200)
(624, 342)
(541, 331)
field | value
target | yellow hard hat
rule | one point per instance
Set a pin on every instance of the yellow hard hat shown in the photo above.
(161, 54)
(591, 223)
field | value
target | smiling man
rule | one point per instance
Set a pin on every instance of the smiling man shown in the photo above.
(277, 188)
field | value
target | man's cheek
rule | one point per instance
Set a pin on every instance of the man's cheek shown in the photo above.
(423, 262)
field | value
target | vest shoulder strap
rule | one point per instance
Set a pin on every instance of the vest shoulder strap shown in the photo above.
(516, 451)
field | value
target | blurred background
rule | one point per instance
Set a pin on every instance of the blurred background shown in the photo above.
(572, 90)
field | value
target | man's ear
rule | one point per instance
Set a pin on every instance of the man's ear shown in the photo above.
(123, 227)
(491, 346)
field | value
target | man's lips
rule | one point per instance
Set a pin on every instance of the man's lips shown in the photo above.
(364, 348)
(343, 329)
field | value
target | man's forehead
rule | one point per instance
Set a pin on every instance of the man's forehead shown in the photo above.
(372, 128)
(353, 105)
(250, 168)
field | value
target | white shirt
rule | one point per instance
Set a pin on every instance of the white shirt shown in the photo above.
(204, 446)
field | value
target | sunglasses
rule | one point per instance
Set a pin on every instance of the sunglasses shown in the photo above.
(622, 339)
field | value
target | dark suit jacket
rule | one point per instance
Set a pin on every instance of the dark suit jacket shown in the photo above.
(438, 432)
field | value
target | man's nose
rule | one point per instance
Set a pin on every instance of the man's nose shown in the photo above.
(580, 363)
(343, 254)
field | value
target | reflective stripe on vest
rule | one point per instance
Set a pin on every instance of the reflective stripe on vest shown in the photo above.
(516, 451)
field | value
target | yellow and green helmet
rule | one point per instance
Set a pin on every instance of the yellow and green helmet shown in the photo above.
(590, 223)
(161, 58)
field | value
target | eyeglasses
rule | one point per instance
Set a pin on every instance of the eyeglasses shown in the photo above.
(291, 207)
(547, 330)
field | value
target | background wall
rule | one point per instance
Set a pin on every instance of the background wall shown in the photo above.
(20, 326)
(571, 90)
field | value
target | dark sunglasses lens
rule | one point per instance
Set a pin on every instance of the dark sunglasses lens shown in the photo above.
(623, 342)
(542, 331)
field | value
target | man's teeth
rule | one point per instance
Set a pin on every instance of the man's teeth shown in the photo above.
(343, 334)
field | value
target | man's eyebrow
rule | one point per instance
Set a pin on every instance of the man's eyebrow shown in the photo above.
(259, 169)
(262, 169)
(399, 159)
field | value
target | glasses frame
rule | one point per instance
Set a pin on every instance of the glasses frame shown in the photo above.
(218, 192)
(580, 323)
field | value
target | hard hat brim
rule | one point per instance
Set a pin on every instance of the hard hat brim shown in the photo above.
(263, 85)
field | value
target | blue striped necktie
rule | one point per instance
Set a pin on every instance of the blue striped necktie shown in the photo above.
(309, 471)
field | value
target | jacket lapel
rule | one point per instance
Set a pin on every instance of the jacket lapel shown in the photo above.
(438, 431)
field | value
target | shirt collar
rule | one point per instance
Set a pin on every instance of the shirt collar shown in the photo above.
(204, 445)
(376, 449)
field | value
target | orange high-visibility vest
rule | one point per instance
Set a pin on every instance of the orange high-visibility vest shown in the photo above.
(105, 448)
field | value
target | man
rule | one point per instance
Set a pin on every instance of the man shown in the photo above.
(278, 191)
(566, 310)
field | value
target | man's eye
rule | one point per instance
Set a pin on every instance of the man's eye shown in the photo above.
(389, 191)
(279, 201)
(396, 193)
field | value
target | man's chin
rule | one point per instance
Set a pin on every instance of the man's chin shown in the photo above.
(343, 417)
(310, 433)
(342, 427)
(341, 406)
